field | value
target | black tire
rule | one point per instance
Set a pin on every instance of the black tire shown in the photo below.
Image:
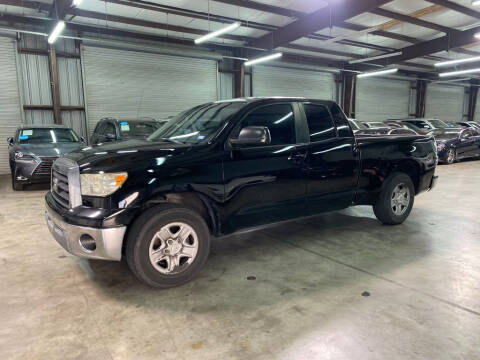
(383, 207)
(452, 159)
(16, 186)
(141, 234)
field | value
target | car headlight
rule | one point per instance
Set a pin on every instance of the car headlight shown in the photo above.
(102, 184)
(22, 156)
(441, 146)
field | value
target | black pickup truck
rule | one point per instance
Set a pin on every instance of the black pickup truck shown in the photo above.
(223, 167)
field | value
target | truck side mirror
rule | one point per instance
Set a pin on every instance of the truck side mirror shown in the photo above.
(252, 135)
(10, 141)
(83, 140)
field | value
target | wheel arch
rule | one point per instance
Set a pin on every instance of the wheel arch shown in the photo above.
(410, 168)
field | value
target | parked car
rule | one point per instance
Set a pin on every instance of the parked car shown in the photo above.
(223, 167)
(375, 124)
(454, 145)
(407, 125)
(428, 124)
(386, 131)
(357, 125)
(470, 124)
(111, 129)
(34, 148)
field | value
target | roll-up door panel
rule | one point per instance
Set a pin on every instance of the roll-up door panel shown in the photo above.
(10, 117)
(444, 102)
(382, 99)
(123, 84)
(277, 81)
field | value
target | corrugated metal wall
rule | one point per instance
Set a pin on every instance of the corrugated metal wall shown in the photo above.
(248, 85)
(10, 116)
(445, 102)
(277, 81)
(380, 99)
(122, 83)
(225, 85)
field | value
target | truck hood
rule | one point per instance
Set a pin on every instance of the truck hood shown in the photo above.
(125, 155)
(49, 149)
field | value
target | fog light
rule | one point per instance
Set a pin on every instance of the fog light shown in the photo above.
(88, 242)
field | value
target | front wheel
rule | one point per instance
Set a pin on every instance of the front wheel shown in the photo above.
(395, 202)
(167, 247)
(451, 156)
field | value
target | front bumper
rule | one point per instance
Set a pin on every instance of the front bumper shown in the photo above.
(433, 183)
(73, 238)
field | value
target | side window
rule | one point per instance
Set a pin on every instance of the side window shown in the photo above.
(467, 133)
(109, 128)
(278, 119)
(341, 121)
(319, 122)
(99, 128)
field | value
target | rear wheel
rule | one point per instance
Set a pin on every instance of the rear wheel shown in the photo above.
(395, 202)
(167, 247)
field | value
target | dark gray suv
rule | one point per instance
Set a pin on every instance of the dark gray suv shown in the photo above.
(34, 148)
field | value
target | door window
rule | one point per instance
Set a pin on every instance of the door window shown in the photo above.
(320, 122)
(279, 120)
(109, 128)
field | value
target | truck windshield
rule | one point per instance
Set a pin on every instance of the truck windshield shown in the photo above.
(197, 125)
(46, 135)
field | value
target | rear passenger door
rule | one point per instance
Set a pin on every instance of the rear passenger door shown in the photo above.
(333, 159)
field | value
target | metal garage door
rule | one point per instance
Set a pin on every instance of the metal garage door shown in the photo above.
(277, 81)
(122, 83)
(381, 99)
(10, 117)
(444, 102)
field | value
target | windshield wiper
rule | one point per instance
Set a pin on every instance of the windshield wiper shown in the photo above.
(172, 141)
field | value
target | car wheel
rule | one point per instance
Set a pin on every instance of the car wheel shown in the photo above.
(16, 186)
(395, 201)
(451, 156)
(167, 246)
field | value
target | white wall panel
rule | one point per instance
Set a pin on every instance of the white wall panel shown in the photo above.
(122, 83)
(278, 81)
(444, 102)
(10, 117)
(380, 99)
(225, 86)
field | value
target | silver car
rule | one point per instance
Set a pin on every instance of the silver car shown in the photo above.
(34, 148)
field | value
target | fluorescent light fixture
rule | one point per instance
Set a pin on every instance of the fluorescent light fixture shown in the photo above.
(460, 72)
(476, 2)
(375, 57)
(458, 61)
(263, 59)
(217, 33)
(77, 2)
(377, 73)
(56, 31)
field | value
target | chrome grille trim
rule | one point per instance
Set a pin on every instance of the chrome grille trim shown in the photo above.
(65, 184)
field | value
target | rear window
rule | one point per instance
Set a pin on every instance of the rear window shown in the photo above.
(320, 123)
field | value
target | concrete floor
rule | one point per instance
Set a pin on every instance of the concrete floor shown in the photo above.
(340, 286)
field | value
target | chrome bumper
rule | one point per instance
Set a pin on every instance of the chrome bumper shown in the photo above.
(108, 242)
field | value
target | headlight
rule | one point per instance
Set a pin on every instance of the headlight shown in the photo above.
(441, 146)
(21, 156)
(102, 184)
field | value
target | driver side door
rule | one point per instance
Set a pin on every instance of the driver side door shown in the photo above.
(467, 146)
(266, 183)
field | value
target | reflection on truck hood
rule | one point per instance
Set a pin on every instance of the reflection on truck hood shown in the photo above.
(124, 155)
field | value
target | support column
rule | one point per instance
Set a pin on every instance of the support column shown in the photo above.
(52, 58)
(349, 88)
(420, 102)
(239, 79)
(472, 102)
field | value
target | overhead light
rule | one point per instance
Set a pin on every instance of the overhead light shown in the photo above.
(476, 2)
(377, 73)
(460, 72)
(217, 33)
(77, 2)
(477, 35)
(56, 31)
(376, 57)
(458, 61)
(263, 59)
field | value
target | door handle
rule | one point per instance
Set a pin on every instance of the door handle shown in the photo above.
(298, 158)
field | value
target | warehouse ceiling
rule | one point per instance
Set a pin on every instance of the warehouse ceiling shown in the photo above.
(328, 33)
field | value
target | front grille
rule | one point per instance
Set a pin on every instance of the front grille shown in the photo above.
(65, 184)
(44, 169)
(60, 188)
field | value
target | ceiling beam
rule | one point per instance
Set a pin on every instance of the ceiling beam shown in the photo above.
(263, 7)
(412, 20)
(326, 17)
(457, 7)
(444, 43)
